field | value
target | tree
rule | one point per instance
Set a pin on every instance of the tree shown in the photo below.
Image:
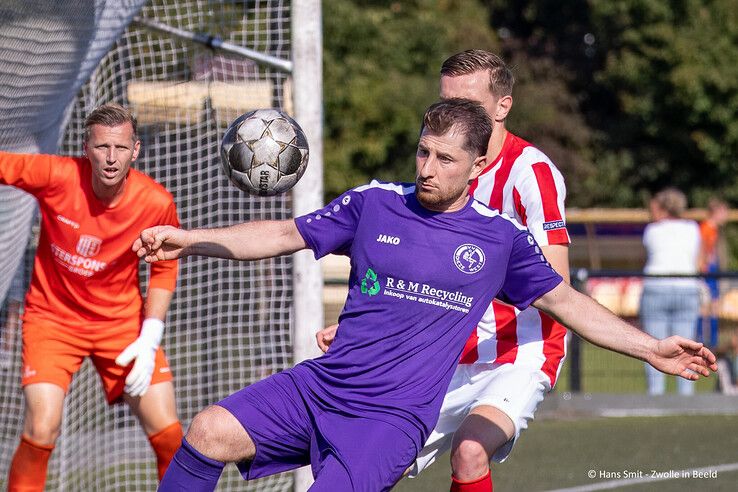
(381, 66)
(626, 97)
(672, 67)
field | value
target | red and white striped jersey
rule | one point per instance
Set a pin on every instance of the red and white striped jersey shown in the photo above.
(522, 183)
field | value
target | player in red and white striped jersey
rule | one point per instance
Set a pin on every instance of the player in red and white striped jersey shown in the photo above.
(523, 183)
(514, 357)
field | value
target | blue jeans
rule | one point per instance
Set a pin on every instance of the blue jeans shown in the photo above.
(665, 311)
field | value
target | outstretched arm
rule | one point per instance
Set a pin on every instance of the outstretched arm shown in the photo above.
(593, 322)
(247, 241)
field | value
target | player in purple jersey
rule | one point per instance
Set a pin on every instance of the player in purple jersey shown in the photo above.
(426, 261)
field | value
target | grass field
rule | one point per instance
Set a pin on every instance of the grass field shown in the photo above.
(556, 454)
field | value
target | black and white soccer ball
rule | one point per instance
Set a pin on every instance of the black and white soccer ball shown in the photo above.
(264, 152)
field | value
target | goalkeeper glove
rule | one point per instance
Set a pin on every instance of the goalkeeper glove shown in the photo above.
(143, 349)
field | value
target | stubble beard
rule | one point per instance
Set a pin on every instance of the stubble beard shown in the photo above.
(438, 200)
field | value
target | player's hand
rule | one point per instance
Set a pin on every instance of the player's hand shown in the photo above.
(683, 357)
(161, 243)
(143, 350)
(325, 337)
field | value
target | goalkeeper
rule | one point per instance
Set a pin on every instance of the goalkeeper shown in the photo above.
(84, 299)
(360, 413)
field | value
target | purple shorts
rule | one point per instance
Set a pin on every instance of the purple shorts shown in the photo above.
(347, 453)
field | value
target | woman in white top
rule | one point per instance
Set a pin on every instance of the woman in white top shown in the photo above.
(670, 306)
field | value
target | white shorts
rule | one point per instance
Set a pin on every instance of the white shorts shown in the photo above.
(515, 390)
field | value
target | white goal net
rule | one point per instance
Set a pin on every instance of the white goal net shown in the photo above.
(230, 322)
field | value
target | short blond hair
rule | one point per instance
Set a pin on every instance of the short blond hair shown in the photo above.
(110, 115)
(501, 78)
(671, 201)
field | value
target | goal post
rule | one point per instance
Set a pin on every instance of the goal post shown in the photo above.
(308, 195)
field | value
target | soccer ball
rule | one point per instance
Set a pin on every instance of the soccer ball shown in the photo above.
(264, 152)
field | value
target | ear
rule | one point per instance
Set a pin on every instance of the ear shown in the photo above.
(136, 149)
(477, 167)
(504, 105)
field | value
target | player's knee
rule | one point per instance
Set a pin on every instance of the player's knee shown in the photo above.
(469, 459)
(217, 434)
(42, 431)
(204, 432)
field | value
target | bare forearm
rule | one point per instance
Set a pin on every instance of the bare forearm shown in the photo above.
(248, 241)
(157, 303)
(595, 323)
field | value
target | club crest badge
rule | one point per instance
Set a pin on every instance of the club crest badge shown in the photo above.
(469, 258)
(88, 246)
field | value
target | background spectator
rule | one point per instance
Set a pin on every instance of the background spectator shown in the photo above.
(670, 306)
(714, 256)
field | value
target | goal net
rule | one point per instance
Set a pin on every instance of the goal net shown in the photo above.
(229, 324)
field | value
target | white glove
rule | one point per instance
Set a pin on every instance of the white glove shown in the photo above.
(143, 349)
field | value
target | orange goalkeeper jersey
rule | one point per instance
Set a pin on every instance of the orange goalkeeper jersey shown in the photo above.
(85, 273)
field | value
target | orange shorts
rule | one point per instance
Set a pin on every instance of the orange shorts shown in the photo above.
(52, 353)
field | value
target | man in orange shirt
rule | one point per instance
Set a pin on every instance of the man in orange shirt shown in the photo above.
(84, 299)
(713, 255)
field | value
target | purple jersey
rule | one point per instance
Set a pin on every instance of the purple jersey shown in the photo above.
(420, 281)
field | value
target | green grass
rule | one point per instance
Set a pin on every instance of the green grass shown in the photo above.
(554, 454)
(130, 477)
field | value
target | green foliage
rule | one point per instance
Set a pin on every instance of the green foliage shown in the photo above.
(381, 63)
(626, 97)
(672, 68)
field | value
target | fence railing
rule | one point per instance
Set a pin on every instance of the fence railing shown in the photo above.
(702, 307)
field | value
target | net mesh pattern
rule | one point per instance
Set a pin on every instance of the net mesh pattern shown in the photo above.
(229, 323)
